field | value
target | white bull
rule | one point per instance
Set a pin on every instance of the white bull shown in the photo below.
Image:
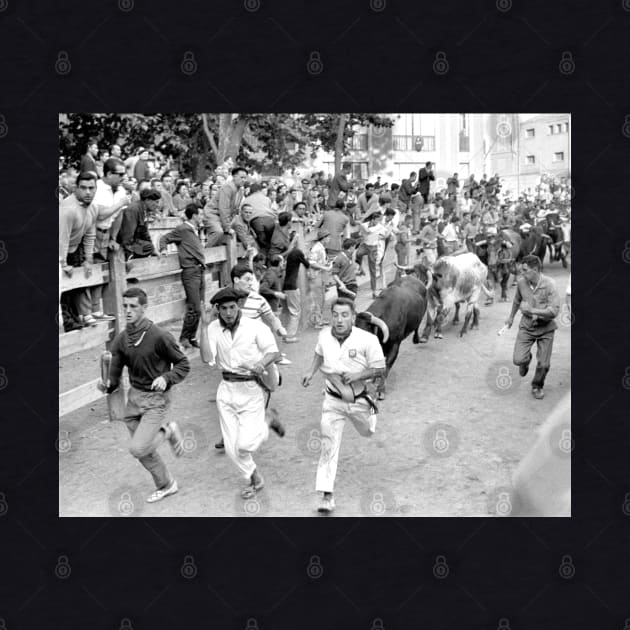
(456, 279)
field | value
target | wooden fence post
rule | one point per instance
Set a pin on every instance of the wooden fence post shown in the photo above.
(113, 290)
(230, 260)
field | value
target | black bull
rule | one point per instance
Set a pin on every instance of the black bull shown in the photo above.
(395, 314)
(500, 254)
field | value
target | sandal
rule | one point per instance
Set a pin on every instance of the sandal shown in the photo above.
(251, 490)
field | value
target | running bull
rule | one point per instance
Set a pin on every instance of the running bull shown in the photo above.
(396, 313)
(456, 279)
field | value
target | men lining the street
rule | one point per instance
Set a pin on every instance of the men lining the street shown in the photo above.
(348, 357)
(155, 364)
(243, 349)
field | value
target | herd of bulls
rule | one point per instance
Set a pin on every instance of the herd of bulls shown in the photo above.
(454, 280)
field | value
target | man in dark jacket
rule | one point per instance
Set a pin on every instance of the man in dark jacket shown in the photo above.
(134, 234)
(339, 184)
(407, 190)
(155, 364)
(425, 178)
(192, 260)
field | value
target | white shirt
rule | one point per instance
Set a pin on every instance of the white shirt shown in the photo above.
(373, 233)
(450, 233)
(106, 198)
(251, 342)
(359, 351)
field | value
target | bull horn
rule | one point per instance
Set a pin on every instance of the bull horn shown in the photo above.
(377, 321)
(429, 279)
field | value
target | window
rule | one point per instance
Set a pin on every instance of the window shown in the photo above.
(566, 127)
(408, 143)
(550, 130)
(530, 159)
(359, 142)
(464, 141)
(559, 156)
(558, 128)
(530, 133)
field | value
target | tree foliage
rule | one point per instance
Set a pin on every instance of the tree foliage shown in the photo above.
(265, 142)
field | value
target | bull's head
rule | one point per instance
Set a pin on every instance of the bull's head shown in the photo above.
(424, 274)
(367, 321)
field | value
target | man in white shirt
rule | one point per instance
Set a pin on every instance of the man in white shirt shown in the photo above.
(243, 349)
(347, 356)
(372, 231)
(110, 200)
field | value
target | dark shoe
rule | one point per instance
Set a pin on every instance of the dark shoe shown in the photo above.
(538, 393)
(194, 343)
(220, 445)
(327, 504)
(275, 423)
(523, 369)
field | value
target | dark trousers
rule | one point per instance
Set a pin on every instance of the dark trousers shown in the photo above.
(371, 251)
(522, 353)
(194, 281)
(263, 228)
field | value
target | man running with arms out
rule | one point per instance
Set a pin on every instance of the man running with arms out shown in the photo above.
(347, 356)
(155, 364)
(538, 300)
(243, 349)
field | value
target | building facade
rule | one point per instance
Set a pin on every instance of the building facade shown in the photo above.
(453, 142)
(523, 149)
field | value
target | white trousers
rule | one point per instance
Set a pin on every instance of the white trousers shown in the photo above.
(241, 407)
(335, 412)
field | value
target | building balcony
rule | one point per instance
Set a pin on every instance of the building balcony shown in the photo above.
(408, 143)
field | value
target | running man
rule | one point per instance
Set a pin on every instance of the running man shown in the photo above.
(243, 349)
(155, 363)
(347, 356)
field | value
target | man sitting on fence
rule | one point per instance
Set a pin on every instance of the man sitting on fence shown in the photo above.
(134, 233)
(155, 364)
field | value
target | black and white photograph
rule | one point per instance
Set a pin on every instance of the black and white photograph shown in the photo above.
(315, 315)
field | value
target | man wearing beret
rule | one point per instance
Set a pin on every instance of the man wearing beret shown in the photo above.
(134, 234)
(244, 350)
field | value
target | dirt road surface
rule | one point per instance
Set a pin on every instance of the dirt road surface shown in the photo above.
(456, 421)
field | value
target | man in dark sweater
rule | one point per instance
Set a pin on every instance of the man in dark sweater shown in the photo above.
(295, 258)
(155, 364)
(134, 234)
(192, 260)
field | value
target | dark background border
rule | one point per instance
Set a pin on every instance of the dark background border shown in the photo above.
(253, 57)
